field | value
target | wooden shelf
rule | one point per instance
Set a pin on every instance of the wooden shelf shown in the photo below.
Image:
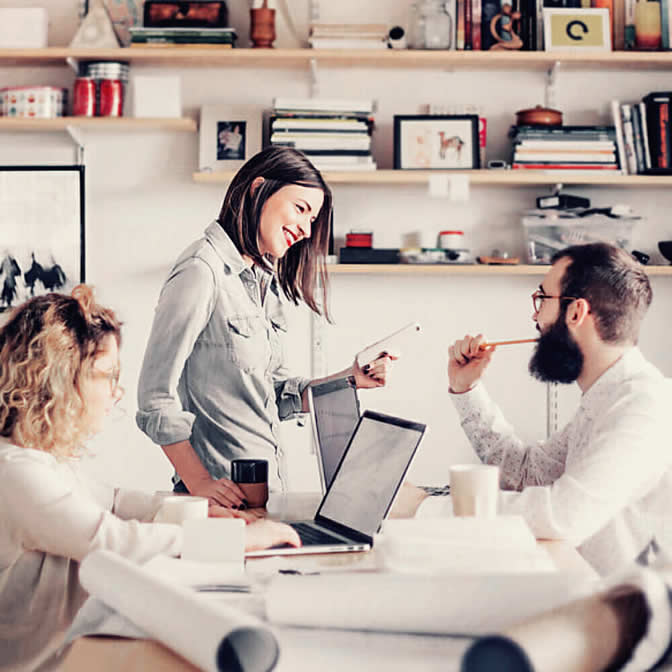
(392, 58)
(503, 178)
(12, 124)
(447, 269)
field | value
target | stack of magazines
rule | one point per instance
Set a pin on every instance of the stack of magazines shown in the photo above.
(348, 36)
(335, 133)
(172, 37)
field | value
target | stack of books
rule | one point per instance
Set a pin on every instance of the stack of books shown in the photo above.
(202, 37)
(334, 133)
(564, 149)
(348, 36)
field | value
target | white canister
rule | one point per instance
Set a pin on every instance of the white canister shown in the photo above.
(451, 240)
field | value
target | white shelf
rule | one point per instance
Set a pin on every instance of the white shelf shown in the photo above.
(448, 269)
(502, 178)
(301, 58)
(16, 124)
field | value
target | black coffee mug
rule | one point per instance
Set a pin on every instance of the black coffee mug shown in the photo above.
(251, 476)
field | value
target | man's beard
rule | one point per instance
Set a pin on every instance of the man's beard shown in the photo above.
(557, 357)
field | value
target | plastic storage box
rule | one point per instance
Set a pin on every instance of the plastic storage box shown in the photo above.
(549, 231)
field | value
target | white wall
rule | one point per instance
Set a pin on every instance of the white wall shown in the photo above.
(143, 209)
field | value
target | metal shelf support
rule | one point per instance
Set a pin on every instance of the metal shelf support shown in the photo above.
(76, 137)
(314, 80)
(550, 87)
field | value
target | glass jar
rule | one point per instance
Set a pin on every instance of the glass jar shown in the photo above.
(430, 25)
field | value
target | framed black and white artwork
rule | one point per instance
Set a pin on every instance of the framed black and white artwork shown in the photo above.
(42, 225)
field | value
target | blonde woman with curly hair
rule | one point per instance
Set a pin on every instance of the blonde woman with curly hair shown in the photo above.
(59, 377)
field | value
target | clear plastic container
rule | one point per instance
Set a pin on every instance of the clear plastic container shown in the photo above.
(549, 231)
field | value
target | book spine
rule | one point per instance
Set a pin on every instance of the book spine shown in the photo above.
(645, 136)
(629, 138)
(459, 41)
(468, 23)
(476, 11)
(664, 24)
(618, 23)
(639, 143)
(620, 140)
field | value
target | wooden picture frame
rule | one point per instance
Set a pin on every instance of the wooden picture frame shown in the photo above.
(42, 221)
(229, 136)
(436, 142)
(583, 30)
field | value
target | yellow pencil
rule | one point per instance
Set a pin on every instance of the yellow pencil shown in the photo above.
(483, 346)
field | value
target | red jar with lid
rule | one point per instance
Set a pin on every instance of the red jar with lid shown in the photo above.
(84, 97)
(451, 240)
(110, 98)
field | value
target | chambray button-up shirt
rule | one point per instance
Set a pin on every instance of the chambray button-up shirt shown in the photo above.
(213, 371)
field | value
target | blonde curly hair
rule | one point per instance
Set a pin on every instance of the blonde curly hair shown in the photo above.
(48, 344)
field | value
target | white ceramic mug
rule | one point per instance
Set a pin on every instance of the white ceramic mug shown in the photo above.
(176, 509)
(474, 489)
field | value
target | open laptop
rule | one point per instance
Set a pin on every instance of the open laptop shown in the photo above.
(362, 490)
(334, 412)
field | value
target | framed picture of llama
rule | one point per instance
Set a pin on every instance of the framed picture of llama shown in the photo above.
(42, 224)
(436, 142)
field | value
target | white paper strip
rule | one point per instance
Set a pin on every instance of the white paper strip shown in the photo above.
(441, 605)
(209, 634)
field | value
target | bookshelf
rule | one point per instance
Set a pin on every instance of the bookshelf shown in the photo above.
(502, 178)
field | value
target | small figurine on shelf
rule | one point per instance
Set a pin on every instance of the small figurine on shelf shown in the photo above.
(501, 28)
(262, 26)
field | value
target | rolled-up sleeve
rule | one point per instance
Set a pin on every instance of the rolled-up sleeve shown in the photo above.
(185, 306)
(288, 396)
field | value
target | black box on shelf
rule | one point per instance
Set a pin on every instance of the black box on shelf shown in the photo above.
(368, 255)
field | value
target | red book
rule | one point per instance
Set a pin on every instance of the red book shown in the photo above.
(565, 166)
(468, 30)
(606, 4)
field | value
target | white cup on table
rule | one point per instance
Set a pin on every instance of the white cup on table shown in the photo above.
(474, 490)
(176, 509)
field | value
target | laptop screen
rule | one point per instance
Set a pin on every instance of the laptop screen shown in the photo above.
(335, 415)
(374, 465)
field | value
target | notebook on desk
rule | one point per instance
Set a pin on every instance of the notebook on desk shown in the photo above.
(334, 414)
(362, 490)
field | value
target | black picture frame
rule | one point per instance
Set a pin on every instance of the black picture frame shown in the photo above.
(436, 142)
(43, 224)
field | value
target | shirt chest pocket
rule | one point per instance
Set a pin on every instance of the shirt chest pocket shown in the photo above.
(247, 343)
(277, 335)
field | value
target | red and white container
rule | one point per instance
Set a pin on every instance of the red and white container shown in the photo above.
(84, 97)
(38, 102)
(451, 240)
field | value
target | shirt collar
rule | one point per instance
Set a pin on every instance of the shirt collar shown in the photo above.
(229, 254)
(631, 362)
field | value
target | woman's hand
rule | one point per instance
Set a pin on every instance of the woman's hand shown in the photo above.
(375, 373)
(248, 515)
(266, 533)
(223, 492)
(467, 362)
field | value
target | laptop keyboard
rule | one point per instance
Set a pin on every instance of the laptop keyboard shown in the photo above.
(311, 536)
(436, 490)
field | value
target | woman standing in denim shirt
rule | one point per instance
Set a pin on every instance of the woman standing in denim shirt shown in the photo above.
(213, 385)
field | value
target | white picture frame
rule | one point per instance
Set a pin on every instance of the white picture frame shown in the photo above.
(575, 29)
(229, 135)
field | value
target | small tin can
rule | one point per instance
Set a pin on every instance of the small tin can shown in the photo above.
(110, 98)
(451, 240)
(84, 97)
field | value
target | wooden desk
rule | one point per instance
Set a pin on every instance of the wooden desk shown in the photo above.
(304, 649)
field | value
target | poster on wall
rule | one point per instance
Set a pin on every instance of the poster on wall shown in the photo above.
(41, 231)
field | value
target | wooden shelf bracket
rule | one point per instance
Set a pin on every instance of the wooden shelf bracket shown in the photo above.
(314, 80)
(550, 97)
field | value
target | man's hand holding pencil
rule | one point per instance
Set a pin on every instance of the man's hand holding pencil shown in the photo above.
(469, 357)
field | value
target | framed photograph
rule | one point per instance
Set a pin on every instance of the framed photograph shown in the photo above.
(42, 224)
(229, 136)
(576, 29)
(436, 142)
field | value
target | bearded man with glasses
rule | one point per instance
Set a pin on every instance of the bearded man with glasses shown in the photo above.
(603, 482)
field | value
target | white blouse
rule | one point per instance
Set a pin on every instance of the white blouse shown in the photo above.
(51, 516)
(604, 482)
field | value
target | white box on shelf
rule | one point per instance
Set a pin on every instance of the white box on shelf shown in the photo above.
(156, 96)
(23, 27)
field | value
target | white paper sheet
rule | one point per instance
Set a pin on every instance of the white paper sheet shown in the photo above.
(211, 635)
(441, 605)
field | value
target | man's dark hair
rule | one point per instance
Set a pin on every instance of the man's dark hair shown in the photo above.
(303, 268)
(614, 284)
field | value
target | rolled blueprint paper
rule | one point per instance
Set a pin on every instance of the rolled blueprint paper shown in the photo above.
(208, 634)
(628, 628)
(424, 604)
